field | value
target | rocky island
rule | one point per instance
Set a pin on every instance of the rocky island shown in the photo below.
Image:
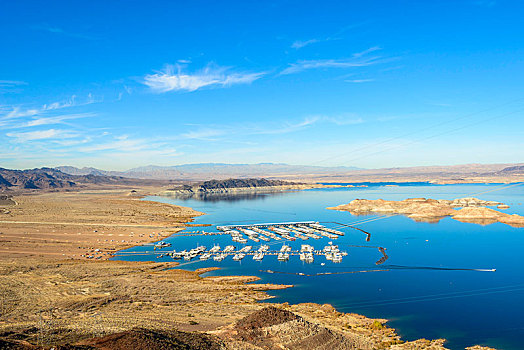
(471, 210)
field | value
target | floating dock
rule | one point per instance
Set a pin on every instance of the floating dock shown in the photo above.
(282, 230)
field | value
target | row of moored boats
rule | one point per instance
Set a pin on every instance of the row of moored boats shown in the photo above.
(307, 253)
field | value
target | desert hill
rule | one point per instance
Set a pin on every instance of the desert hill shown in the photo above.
(50, 178)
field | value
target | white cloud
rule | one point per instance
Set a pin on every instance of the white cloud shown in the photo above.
(17, 112)
(300, 44)
(203, 134)
(171, 80)
(11, 83)
(365, 52)
(59, 119)
(359, 80)
(41, 135)
(329, 63)
(119, 144)
(344, 120)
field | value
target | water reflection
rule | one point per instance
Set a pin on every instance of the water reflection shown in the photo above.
(226, 197)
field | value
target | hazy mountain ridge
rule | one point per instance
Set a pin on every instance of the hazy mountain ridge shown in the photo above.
(519, 169)
(51, 178)
(206, 171)
(222, 171)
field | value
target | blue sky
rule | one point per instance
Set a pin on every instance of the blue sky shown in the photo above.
(120, 84)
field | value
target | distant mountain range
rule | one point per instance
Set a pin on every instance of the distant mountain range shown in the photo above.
(51, 178)
(221, 171)
(66, 177)
(207, 171)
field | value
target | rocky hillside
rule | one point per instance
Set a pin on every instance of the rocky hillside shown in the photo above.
(236, 186)
(242, 183)
(519, 169)
(48, 178)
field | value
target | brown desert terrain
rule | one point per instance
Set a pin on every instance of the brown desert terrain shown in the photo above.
(86, 223)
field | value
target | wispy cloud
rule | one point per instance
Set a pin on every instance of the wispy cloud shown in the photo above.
(302, 43)
(298, 44)
(61, 31)
(41, 135)
(203, 134)
(59, 119)
(130, 147)
(11, 85)
(174, 79)
(288, 127)
(17, 112)
(213, 133)
(365, 52)
(358, 81)
(118, 144)
(329, 63)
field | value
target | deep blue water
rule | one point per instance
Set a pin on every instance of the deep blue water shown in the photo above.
(465, 307)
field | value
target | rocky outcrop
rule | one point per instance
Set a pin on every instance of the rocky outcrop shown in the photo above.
(237, 186)
(432, 210)
(488, 216)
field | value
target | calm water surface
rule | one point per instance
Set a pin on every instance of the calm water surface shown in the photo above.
(420, 292)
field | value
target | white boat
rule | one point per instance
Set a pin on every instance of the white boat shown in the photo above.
(239, 256)
(309, 257)
(219, 257)
(263, 248)
(306, 248)
(285, 248)
(246, 249)
(258, 256)
(162, 244)
(198, 249)
(283, 256)
(205, 256)
(337, 257)
(190, 255)
(215, 249)
(229, 248)
(178, 255)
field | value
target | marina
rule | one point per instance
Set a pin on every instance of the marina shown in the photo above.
(290, 231)
(283, 231)
(415, 266)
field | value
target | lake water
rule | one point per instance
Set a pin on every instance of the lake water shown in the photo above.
(420, 289)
